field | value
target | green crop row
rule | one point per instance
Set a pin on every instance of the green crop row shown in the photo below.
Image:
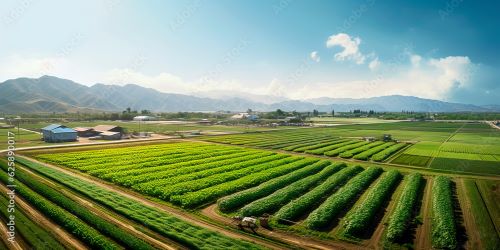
(309, 143)
(27, 229)
(322, 150)
(138, 172)
(212, 193)
(345, 148)
(281, 197)
(350, 153)
(364, 213)
(366, 154)
(382, 155)
(444, 233)
(174, 176)
(129, 178)
(167, 159)
(194, 185)
(405, 207)
(234, 201)
(313, 198)
(326, 212)
(191, 236)
(84, 214)
(62, 217)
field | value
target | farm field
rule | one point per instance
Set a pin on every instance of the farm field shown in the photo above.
(471, 148)
(37, 187)
(319, 141)
(23, 138)
(341, 120)
(442, 146)
(323, 199)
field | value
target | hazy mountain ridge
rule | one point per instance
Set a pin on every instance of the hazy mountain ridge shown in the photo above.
(52, 94)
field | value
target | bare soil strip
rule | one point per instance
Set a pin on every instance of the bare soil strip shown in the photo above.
(40, 219)
(423, 240)
(173, 211)
(474, 240)
(3, 233)
(376, 240)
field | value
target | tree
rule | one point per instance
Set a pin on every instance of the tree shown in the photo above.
(280, 113)
(315, 113)
(333, 112)
(249, 111)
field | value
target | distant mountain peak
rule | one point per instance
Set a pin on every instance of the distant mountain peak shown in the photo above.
(53, 94)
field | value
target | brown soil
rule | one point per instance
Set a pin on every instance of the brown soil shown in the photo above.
(300, 241)
(474, 240)
(423, 240)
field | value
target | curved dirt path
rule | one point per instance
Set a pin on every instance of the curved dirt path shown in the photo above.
(173, 211)
(422, 237)
(39, 218)
(296, 240)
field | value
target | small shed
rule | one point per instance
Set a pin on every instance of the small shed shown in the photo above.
(58, 133)
(111, 135)
(108, 128)
(85, 132)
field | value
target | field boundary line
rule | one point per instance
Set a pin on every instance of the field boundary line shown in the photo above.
(441, 145)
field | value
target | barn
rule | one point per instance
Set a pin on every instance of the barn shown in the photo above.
(108, 128)
(58, 133)
(111, 135)
(85, 132)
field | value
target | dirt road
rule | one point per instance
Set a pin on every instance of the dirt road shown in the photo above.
(300, 241)
(422, 238)
(473, 237)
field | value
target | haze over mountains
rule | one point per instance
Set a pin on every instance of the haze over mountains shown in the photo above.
(52, 94)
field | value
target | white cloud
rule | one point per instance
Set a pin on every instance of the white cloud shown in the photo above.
(314, 56)
(433, 78)
(350, 47)
(415, 59)
(374, 64)
(17, 66)
(164, 82)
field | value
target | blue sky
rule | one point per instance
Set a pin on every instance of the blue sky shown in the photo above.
(445, 50)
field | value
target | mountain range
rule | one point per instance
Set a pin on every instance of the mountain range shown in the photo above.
(52, 94)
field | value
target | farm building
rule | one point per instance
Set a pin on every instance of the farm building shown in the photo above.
(111, 135)
(85, 132)
(145, 118)
(58, 133)
(108, 128)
